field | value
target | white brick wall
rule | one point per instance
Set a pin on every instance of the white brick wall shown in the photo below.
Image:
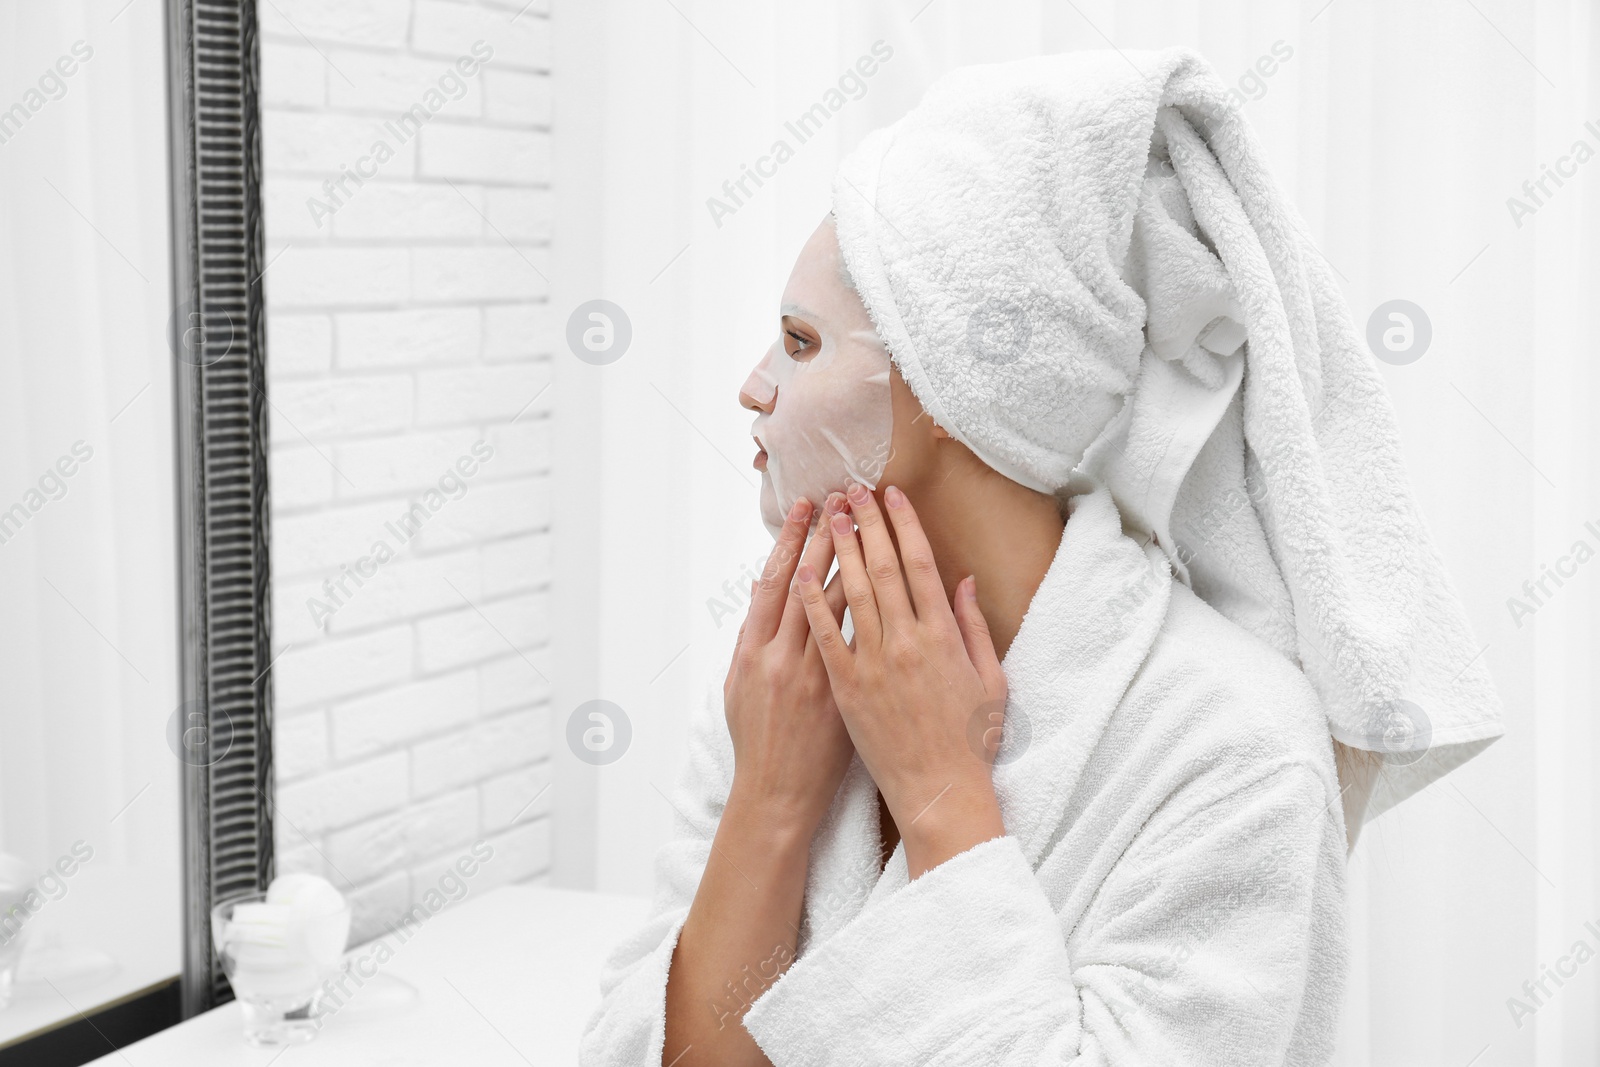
(408, 323)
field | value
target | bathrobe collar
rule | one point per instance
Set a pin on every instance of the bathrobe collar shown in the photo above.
(1088, 629)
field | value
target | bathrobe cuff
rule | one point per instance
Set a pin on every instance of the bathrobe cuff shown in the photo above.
(880, 990)
(633, 1031)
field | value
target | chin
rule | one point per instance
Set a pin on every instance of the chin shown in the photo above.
(771, 514)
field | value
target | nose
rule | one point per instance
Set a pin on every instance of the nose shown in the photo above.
(750, 403)
(760, 391)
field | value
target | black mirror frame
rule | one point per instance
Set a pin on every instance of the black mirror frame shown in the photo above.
(219, 341)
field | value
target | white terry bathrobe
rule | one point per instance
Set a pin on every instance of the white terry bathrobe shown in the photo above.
(1085, 273)
(1170, 889)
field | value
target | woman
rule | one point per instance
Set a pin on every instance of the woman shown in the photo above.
(1117, 513)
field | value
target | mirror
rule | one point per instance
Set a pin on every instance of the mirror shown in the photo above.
(91, 868)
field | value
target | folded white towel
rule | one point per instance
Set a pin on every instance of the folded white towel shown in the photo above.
(1076, 262)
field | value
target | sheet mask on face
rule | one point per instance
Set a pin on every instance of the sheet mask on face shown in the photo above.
(832, 417)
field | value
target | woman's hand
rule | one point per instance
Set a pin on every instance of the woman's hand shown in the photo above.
(790, 747)
(790, 752)
(917, 679)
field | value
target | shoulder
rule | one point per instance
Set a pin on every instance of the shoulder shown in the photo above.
(1220, 697)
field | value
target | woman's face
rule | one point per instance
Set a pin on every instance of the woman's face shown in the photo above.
(822, 392)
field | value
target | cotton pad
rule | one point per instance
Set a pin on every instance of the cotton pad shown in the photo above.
(266, 962)
(16, 882)
(317, 910)
(290, 942)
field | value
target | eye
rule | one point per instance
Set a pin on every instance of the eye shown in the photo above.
(798, 341)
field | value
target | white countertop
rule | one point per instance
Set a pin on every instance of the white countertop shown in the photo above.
(506, 978)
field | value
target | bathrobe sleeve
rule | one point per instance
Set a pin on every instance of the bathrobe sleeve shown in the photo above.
(1196, 948)
(629, 1027)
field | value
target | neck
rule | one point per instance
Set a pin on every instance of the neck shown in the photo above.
(1004, 534)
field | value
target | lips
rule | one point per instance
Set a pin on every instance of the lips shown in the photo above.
(760, 462)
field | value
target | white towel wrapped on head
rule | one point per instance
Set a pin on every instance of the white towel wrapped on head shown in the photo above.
(1082, 266)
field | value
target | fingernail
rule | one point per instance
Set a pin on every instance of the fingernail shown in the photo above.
(801, 509)
(972, 586)
(834, 503)
(805, 573)
(893, 497)
(856, 492)
(841, 523)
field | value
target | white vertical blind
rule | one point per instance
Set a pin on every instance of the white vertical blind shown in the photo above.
(1401, 131)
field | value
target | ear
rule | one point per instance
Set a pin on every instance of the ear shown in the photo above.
(935, 431)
